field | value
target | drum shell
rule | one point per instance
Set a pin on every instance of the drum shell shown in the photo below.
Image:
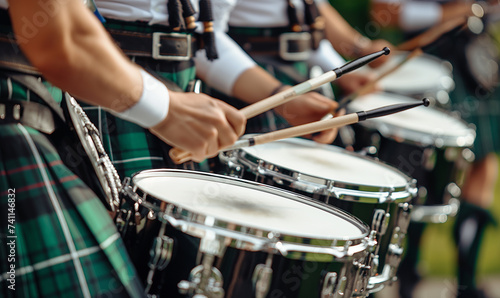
(439, 171)
(290, 277)
(396, 210)
(295, 275)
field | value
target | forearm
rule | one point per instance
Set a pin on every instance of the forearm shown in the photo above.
(254, 84)
(235, 73)
(346, 40)
(83, 55)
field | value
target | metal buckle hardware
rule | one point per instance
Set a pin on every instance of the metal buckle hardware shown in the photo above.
(157, 45)
(285, 38)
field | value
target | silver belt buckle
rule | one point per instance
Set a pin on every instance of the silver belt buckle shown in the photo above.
(157, 45)
(294, 36)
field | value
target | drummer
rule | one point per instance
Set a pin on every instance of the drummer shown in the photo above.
(57, 238)
(477, 105)
(143, 110)
(258, 26)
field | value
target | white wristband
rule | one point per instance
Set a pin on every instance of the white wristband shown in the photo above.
(153, 105)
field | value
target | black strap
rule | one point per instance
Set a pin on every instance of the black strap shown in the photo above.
(175, 19)
(293, 20)
(37, 87)
(29, 113)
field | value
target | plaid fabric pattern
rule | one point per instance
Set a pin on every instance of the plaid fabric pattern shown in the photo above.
(66, 244)
(130, 147)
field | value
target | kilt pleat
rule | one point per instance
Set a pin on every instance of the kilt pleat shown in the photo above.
(66, 244)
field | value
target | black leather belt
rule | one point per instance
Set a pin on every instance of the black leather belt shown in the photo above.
(12, 58)
(28, 113)
(291, 46)
(157, 45)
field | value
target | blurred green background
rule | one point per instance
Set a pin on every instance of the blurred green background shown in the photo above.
(438, 252)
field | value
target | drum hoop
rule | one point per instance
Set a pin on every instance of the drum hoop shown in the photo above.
(193, 222)
(418, 138)
(339, 189)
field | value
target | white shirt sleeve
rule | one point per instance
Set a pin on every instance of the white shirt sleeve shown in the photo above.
(326, 57)
(222, 73)
(417, 15)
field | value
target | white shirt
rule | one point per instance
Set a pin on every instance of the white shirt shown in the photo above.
(417, 15)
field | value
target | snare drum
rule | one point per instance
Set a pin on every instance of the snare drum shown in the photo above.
(421, 76)
(370, 190)
(428, 144)
(200, 233)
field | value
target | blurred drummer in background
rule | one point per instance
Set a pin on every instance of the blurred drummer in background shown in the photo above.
(258, 26)
(476, 97)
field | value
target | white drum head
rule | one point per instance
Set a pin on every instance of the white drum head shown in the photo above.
(423, 125)
(418, 75)
(250, 205)
(328, 162)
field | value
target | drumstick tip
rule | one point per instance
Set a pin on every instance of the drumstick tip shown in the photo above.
(386, 50)
(426, 102)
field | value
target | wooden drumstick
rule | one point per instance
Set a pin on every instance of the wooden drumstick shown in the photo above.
(321, 125)
(309, 85)
(432, 34)
(369, 86)
(289, 94)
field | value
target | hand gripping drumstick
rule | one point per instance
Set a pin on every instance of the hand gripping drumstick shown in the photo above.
(368, 87)
(309, 85)
(179, 156)
(321, 125)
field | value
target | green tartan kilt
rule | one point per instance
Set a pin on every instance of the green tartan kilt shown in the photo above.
(55, 232)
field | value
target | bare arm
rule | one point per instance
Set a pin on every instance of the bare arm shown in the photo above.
(73, 51)
(347, 40)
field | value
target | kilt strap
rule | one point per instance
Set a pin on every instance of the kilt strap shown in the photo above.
(28, 113)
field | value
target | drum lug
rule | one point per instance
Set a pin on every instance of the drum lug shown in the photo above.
(404, 216)
(333, 288)
(233, 168)
(395, 250)
(161, 252)
(261, 280)
(364, 273)
(380, 221)
(329, 284)
(160, 256)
